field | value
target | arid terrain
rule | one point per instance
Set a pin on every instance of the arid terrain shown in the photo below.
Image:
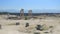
(50, 25)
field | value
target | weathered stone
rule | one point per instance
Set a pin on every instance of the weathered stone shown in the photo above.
(39, 27)
(22, 13)
(27, 24)
(0, 26)
(36, 32)
(30, 14)
(17, 23)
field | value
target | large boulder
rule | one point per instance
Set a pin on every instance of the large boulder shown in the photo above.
(27, 24)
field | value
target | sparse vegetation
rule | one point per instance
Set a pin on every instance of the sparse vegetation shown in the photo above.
(30, 29)
(45, 27)
(39, 27)
(46, 32)
(13, 24)
(0, 26)
(17, 23)
(50, 26)
(27, 24)
(42, 27)
(26, 18)
(36, 32)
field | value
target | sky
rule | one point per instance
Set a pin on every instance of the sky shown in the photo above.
(29, 4)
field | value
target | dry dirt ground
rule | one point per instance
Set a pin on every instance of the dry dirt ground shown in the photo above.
(9, 27)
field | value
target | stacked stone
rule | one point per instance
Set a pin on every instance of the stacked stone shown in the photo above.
(22, 13)
(30, 13)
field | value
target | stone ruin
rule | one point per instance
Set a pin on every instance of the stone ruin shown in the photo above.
(30, 13)
(22, 13)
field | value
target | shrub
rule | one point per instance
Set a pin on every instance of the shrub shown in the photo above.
(42, 27)
(45, 27)
(17, 23)
(36, 32)
(46, 32)
(50, 26)
(39, 27)
(0, 26)
(27, 24)
(25, 18)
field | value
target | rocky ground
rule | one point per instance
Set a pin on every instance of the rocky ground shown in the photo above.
(51, 25)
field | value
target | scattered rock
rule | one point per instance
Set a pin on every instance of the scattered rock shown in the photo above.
(27, 24)
(39, 27)
(17, 23)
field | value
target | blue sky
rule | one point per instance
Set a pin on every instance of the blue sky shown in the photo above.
(29, 4)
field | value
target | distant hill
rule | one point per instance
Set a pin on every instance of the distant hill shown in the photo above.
(33, 10)
(34, 14)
